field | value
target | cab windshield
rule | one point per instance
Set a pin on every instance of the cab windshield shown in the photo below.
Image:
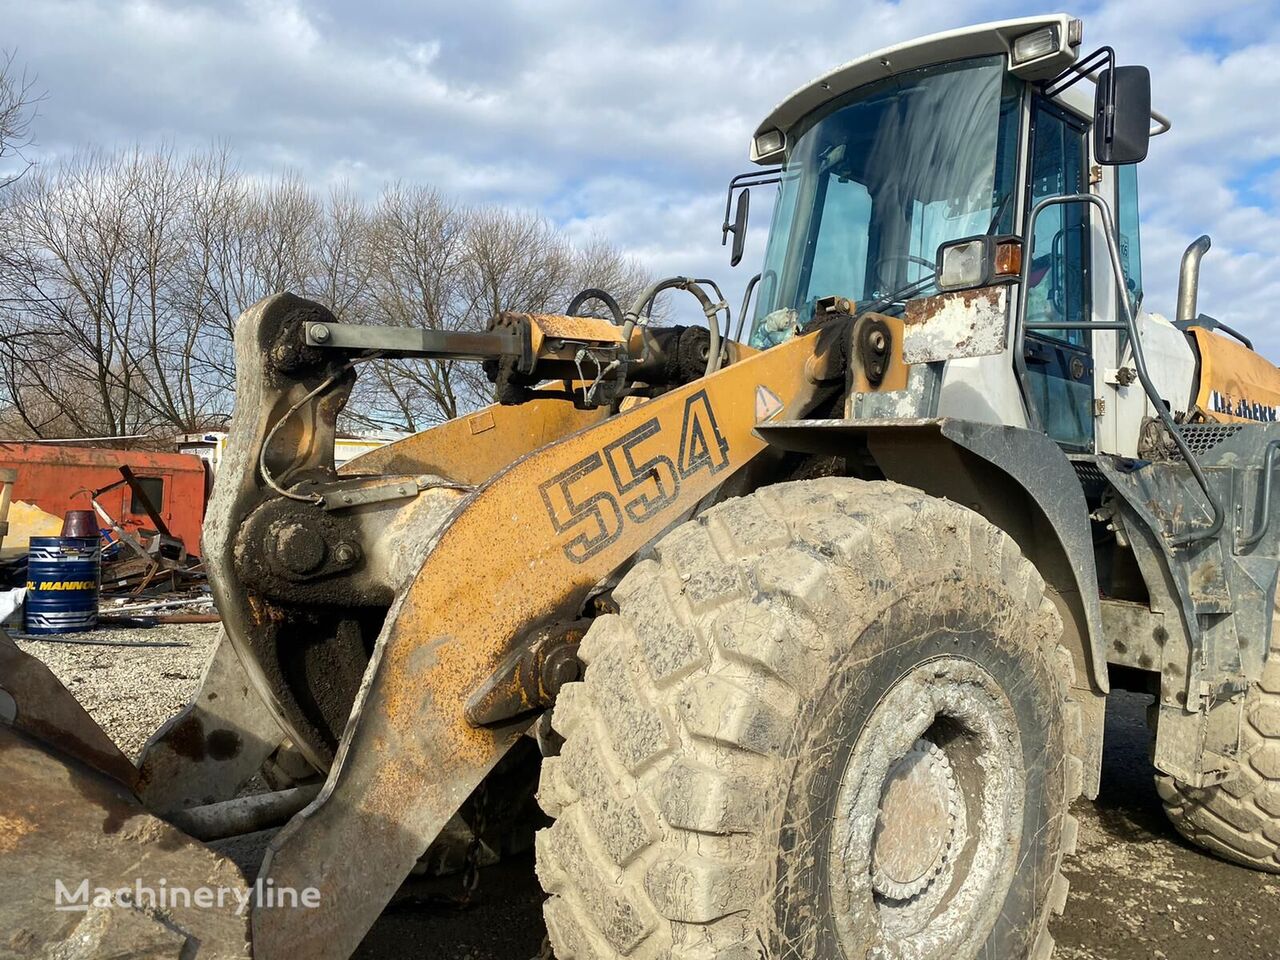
(877, 179)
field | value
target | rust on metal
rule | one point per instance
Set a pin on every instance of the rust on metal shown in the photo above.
(46, 710)
(57, 478)
(62, 821)
(956, 325)
(532, 674)
(554, 326)
(541, 534)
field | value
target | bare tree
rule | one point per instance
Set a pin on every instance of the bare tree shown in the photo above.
(124, 274)
(96, 338)
(416, 249)
(440, 266)
(18, 102)
(71, 330)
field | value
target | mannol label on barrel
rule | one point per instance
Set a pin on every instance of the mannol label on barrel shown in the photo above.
(62, 584)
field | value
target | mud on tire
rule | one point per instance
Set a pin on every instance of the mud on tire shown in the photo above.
(831, 720)
(1240, 820)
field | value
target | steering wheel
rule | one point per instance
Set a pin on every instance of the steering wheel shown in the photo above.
(897, 258)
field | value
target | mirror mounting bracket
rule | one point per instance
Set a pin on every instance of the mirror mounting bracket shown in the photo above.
(738, 224)
(1122, 106)
(1104, 58)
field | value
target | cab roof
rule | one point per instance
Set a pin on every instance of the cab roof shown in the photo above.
(985, 39)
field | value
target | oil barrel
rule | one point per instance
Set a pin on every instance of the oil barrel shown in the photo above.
(62, 584)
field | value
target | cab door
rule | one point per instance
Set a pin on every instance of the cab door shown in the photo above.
(1060, 362)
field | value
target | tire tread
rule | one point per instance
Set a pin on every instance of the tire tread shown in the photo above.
(684, 752)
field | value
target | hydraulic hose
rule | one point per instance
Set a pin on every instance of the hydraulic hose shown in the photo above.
(710, 308)
(595, 293)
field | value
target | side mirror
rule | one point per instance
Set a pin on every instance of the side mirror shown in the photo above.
(1122, 116)
(739, 229)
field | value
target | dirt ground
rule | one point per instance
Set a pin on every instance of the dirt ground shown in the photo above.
(1137, 890)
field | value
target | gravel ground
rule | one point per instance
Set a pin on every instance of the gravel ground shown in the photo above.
(1138, 891)
(130, 690)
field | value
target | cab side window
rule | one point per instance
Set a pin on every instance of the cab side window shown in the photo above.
(1060, 247)
(1059, 361)
(1129, 234)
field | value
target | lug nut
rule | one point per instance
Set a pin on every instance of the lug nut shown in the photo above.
(345, 553)
(319, 332)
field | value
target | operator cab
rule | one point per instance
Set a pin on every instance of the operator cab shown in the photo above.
(878, 179)
(915, 173)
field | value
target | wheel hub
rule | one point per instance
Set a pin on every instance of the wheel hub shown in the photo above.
(916, 823)
(926, 842)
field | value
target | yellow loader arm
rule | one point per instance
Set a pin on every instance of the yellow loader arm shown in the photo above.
(469, 643)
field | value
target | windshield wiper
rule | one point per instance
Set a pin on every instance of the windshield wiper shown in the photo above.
(919, 286)
(904, 293)
(995, 220)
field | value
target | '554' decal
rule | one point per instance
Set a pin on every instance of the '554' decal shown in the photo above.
(641, 480)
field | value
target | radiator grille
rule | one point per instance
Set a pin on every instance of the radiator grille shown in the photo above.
(1203, 437)
(1088, 472)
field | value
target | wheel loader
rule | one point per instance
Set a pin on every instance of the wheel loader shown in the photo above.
(802, 629)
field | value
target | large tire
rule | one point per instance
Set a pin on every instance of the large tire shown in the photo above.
(1240, 820)
(831, 720)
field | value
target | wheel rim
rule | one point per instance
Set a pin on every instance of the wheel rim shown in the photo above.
(928, 821)
(919, 823)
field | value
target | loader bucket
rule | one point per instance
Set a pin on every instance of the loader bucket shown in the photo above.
(87, 871)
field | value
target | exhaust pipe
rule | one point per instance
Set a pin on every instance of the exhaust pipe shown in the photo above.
(1189, 279)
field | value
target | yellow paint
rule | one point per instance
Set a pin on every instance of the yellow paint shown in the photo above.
(1236, 384)
(527, 549)
(896, 370)
(472, 448)
(26, 520)
(13, 827)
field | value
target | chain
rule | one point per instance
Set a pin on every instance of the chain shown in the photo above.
(471, 866)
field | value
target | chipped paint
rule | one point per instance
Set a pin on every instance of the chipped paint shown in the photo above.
(919, 398)
(952, 326)
(13, 827)
(558, 326)
(539, 535)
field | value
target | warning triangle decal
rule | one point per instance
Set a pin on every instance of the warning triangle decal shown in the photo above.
(768, 404)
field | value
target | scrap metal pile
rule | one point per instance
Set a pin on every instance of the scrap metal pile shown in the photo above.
(146, 578)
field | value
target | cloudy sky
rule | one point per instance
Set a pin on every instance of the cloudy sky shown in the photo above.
(625, 120)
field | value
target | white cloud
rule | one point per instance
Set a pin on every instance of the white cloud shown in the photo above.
(625, 121)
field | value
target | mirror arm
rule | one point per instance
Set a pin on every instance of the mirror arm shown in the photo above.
(755, 178)
(1088, 69)
(1102, 58)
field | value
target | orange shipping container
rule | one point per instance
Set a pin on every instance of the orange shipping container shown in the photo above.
(59, 478)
